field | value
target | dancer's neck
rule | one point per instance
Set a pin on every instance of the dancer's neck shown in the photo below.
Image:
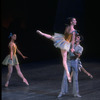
(12, 41)
(72, 27)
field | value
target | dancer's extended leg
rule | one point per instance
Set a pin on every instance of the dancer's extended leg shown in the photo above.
(21, 75)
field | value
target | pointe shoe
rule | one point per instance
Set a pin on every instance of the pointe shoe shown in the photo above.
(25, 81)
(7, 83)
(69, 78)
(38, 31)
(90, 76)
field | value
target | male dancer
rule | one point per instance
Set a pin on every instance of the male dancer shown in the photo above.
(72, 61)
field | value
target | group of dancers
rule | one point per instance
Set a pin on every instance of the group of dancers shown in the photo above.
(71, 50)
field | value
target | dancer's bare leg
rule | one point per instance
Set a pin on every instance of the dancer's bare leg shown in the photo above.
(21, 75)
(44, 34)
(10, 69)
(64, 58)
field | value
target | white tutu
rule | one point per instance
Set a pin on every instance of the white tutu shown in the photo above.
(60, 42)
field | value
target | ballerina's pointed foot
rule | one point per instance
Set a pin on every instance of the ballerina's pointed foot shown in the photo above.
(38, 31)
(7, 83)
(25, 81)
(69, 78)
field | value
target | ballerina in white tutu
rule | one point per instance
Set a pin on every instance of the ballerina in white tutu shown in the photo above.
(64, 41)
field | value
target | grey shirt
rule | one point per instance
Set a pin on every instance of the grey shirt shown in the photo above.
(78, 49)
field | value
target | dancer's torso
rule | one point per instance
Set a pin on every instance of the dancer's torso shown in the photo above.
(14, 47)
(68, 37)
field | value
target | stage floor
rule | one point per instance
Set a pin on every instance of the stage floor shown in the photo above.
(45, 81)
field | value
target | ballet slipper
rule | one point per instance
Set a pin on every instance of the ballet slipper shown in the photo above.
(25, 81)
(69, 78)
(38, 31)
(7, 83)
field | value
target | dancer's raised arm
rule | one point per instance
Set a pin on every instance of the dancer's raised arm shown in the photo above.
(45, 35)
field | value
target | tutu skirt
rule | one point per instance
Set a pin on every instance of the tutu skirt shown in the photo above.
(60, 42)
(7, 61)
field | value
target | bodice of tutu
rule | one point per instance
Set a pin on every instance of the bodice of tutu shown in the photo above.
(14, 47)
(68, 36)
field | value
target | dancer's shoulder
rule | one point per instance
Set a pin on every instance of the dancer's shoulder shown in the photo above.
(74, 31)
(11, 44)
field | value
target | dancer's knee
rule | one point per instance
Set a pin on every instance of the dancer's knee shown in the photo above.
(9, 73)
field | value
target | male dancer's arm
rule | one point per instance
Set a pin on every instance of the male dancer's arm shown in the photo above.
(86, 72)
(77, 55)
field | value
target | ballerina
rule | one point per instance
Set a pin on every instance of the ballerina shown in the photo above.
(12, 60)
(64, 41)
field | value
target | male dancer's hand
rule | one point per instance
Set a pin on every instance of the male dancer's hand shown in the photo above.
(72, 50)
(90, 75)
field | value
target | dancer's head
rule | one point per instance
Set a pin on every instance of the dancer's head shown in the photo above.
(79, 38)
(12, 36)
(71, 21)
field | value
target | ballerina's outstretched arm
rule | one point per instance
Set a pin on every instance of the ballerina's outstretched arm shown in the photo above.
(45, 35)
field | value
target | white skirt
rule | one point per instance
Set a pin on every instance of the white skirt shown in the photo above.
(60, 42)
